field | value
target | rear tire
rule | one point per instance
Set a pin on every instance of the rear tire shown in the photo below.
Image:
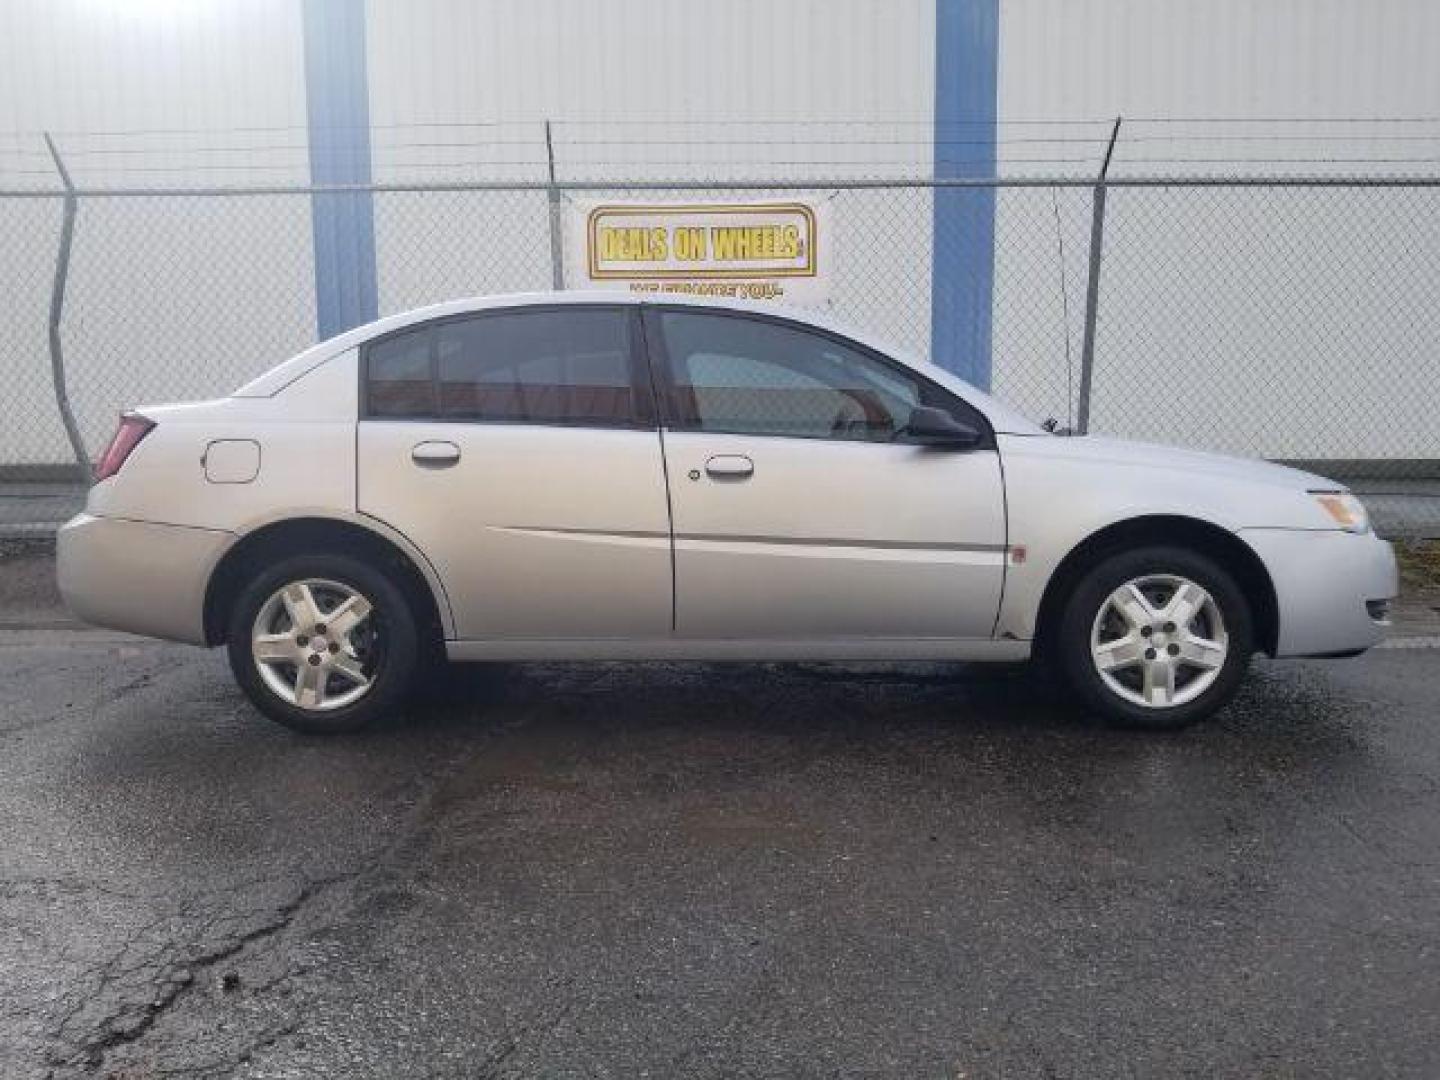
(323, 644)
(1157, 638)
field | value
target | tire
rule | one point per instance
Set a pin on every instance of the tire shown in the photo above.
(355, 671)
(1103, 623)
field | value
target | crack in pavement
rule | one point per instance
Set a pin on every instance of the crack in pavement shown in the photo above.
(147, 676)
(135, 1014)
(536, 1030)
(87, 1040)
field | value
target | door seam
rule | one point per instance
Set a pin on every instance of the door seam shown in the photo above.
(661, 415)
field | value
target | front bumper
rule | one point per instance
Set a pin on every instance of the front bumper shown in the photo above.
(138, 576)
(1325, 583)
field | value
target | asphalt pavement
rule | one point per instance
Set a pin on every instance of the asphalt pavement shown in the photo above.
(675, 870)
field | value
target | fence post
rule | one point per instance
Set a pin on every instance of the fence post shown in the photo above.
(557, 250)
(57, 309)
(1092, 287)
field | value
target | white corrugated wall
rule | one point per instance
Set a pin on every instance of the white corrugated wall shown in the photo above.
(149, 94)
(744, 90)
(177, 297)
(1298, 322)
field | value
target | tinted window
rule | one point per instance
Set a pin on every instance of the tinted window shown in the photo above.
(537, 367)
(399, 376)
(542, 367)
(753, 376)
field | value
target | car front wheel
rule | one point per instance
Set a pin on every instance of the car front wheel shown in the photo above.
(1157, 637)
(323, 643)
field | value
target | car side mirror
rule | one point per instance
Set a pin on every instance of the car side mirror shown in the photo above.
(936, 427)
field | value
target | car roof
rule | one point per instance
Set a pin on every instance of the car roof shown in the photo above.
(277, 378)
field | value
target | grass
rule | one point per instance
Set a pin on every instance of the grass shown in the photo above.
(21, 547)
(1419, 567)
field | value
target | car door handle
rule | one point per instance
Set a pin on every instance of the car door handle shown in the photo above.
(435, 455)
(729, 467)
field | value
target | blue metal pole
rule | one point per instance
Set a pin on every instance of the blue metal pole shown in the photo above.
(967, 34)
(338, 112)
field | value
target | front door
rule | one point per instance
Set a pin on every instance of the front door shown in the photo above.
(517, 450)
(799, 510)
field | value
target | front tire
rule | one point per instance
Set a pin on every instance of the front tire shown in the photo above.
(323, 643)
(1158, 637)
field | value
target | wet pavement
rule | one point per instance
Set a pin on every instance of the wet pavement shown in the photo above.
(695, 870)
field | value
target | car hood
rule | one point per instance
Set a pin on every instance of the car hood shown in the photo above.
(1101, 451)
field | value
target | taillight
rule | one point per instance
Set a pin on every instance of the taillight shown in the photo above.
(132, 429)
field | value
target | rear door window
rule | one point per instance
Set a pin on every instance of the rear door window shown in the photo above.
(567, 366)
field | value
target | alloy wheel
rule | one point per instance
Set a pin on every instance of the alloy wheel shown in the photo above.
(315, 644)
(1159, 641)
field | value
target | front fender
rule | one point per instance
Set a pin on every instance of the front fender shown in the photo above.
(1057, 499)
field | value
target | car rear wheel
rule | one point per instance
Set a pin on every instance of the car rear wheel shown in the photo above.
(323, 643)
(1157, 637)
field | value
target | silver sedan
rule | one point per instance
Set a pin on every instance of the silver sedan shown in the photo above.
(597, 478)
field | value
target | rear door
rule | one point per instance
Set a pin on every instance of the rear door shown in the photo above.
(518, 450)
(799, 510)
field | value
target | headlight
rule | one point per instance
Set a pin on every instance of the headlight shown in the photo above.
(1345, 509)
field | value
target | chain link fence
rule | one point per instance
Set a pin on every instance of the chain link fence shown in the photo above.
(1290, 320)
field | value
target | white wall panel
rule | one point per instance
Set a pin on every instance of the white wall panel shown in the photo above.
(155, 91)
(603, 60)
(1225, 58)
(1297, 324)
(212, 91)
(751, 89)
(168, 298)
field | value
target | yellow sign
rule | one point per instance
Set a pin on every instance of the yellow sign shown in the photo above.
(759, 250)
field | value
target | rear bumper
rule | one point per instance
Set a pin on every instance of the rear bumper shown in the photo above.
(138, 576)
(1323, 584)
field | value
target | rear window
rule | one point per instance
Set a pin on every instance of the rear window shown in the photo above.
(568, 366)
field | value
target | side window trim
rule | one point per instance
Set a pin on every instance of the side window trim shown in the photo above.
(657, 353)
(642, 391)
(672, 415)
(642, 387)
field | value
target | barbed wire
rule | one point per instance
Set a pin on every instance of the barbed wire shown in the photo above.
(795, 122)
(889, 149)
